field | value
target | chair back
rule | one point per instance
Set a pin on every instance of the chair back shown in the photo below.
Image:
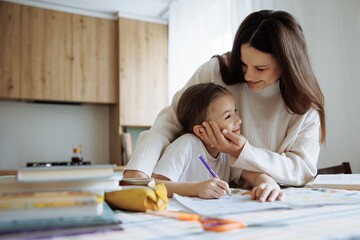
(342, 168)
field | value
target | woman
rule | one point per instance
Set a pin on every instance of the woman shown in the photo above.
(268, 72)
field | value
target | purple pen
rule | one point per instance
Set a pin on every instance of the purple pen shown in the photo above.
(209, 168)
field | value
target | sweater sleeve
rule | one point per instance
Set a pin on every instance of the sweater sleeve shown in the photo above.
(166, 128)
(295, 162)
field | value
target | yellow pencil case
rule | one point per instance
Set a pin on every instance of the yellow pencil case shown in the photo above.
(139, 198)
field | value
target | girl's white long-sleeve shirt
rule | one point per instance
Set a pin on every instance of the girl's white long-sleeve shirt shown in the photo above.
(283, 145)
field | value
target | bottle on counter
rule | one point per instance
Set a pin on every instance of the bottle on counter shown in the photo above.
(76, 156)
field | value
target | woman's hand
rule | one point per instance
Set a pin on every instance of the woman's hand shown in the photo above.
(224, 141)
(214, 188)
(267, 192)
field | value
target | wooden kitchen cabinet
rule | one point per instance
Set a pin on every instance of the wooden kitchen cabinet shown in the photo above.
(46, 54)
(55, 56)
(94, 74)
(143, 78)
(10, 50)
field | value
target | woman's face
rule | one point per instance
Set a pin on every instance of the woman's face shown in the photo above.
(223, 112)
(260, 69)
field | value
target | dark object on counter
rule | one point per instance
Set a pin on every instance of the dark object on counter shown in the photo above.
(51, 164)
(76, 156)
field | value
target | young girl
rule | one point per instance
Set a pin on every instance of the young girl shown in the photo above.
(180, 167)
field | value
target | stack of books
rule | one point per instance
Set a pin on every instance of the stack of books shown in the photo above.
(48, 205)
(44, 199)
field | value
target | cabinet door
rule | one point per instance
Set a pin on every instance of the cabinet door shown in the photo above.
(46, 57)
(143, 71)
(68, 57)
(10, 50)
(95, 60)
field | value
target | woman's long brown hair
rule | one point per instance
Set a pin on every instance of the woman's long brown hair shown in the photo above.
(278, 33)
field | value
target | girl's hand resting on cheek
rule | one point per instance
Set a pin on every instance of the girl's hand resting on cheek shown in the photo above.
(214, 188)
(267, 192)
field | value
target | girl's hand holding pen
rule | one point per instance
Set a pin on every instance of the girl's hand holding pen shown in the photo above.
(213, 188)
(218, 183)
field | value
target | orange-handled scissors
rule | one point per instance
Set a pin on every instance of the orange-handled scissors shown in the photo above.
(220, 225)
(208, 223)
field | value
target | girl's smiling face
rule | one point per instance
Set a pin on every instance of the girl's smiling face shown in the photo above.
(260, 69)
(223, 112)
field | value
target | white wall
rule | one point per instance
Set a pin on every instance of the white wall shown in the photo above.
(47, 132)
(194, 37)
(332, 30)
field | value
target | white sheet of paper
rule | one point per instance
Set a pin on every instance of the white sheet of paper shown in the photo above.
(226, 205)
(294, 198)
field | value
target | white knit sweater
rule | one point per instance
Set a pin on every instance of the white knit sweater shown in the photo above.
(283, 145)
